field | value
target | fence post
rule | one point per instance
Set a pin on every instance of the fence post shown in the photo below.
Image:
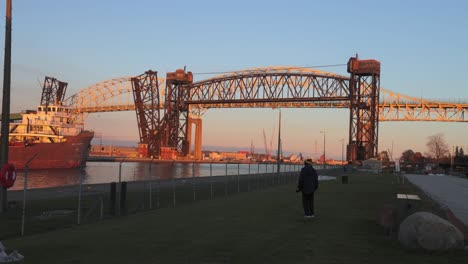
(173, 191)
(79, 196)
(123, 197)
(23, 219)
(258, 176)
(238, 172)
(102, 207)
(119, 189)
(272, 174)
(158, 183)
(150, 186)
(226, 182)
(248, 180)
(211, 180)
(113, 196)
(193, 181)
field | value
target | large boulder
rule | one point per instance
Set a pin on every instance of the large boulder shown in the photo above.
(428, 231)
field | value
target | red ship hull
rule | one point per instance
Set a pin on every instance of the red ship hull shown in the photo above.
(70, 154)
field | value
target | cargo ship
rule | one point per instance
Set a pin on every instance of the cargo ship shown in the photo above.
(50, 138)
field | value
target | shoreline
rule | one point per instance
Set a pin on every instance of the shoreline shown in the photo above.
(126, 159)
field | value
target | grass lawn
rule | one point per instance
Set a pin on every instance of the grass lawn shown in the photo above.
(257, 227)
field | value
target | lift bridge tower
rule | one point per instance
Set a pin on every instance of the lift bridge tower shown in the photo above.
(364, 87)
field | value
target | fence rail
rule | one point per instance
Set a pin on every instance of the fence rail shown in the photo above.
(58, 207)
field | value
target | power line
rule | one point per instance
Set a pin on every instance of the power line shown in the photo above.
(300, 67)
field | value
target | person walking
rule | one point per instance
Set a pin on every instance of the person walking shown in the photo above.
(308, 184)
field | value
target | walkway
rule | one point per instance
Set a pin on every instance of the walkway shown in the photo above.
(449, 191)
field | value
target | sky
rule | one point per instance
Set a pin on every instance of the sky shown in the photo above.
(421, 46)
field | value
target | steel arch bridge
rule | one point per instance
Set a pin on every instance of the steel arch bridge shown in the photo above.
(270, 87)
(116, 95)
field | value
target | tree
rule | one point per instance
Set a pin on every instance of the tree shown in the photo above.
(407, 156)
(437, 147)
(418, 157)
(459, 154)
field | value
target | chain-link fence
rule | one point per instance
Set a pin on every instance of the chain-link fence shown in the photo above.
(39, 210)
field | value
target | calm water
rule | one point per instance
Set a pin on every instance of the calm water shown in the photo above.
(105, 172)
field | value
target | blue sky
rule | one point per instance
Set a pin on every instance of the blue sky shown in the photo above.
(421, 45)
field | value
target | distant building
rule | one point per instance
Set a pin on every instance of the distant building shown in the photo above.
(234, 155)
(214, 156)
(241, 155)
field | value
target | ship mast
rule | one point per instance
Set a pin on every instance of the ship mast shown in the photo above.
(6, 102)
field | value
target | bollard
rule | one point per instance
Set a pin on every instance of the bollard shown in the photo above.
(112, 197)
(123, 197)
(344, 179)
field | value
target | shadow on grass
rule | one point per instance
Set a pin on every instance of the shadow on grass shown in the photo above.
(256, 227)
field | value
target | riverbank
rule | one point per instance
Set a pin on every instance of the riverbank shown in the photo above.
(264, 226)
(184, 161)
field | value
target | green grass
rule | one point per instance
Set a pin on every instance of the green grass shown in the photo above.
(137, 200)
(257, 227)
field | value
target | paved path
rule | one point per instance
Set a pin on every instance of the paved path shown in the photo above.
(448, 191)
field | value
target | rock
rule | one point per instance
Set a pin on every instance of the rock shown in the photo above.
(456, 222)
(428, 231)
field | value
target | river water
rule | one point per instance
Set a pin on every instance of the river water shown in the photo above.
(105, 172)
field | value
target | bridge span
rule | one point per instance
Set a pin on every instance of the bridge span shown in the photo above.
(115, 95)
(165, 114)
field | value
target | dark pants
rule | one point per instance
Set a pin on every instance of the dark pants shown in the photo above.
(308, 203)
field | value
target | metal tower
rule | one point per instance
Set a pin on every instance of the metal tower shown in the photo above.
(178, 86)
(147, 101)
(364, 93)
(53, 91)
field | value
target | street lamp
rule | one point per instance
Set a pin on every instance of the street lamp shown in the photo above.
(324, 157)
(278, 158)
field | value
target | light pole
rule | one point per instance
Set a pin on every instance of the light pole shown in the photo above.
(278, 158)
(6, 102)
(324, 157)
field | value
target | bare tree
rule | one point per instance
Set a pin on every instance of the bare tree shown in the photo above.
(437, 147)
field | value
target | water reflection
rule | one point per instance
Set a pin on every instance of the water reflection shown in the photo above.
(104, 172)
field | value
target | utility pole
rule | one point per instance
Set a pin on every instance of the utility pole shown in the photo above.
(6, 102)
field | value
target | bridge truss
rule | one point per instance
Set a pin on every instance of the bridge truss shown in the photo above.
(273, 87)
(116, 95)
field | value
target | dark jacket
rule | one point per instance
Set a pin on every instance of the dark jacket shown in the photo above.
(308, 180)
